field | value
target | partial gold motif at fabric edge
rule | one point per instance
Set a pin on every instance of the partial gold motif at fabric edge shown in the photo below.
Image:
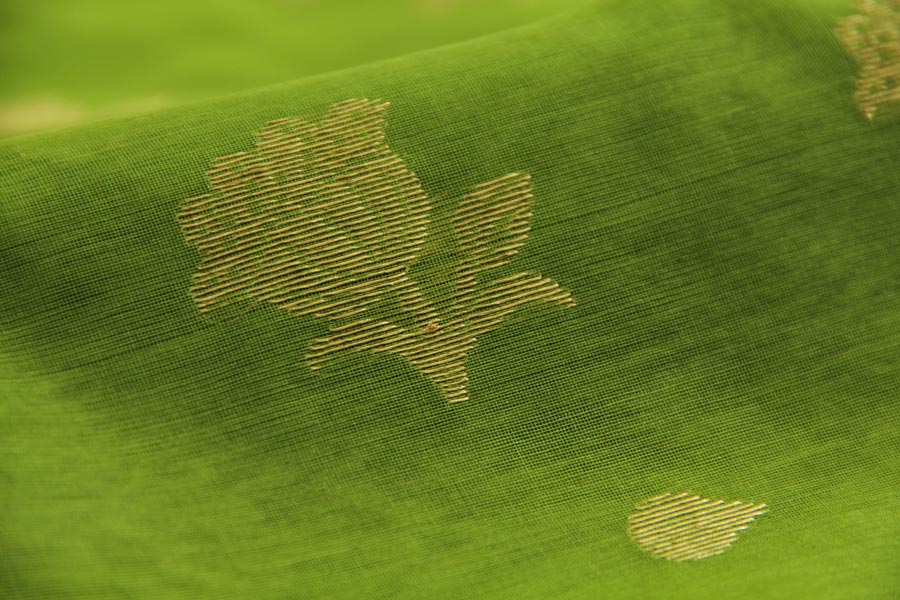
(324, 220)
(682, 527)
(873, 37)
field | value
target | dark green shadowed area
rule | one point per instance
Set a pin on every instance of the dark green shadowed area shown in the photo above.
(705, 187)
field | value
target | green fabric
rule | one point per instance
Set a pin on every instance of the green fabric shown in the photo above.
(705, 186)
(73, 61)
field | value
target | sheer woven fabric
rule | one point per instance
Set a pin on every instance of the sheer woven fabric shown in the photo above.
(703, 183)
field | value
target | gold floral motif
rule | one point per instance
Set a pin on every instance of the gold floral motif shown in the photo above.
(873, 37)
(681, 527)
(325, 220)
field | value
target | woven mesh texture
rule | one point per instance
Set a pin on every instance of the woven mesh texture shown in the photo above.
(703, 183)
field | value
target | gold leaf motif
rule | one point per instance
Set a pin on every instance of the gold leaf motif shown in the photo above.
(325, 220)
(683, 527)
(873, 37)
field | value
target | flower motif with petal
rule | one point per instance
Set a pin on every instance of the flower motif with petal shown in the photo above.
(325, 220)
(873, 37)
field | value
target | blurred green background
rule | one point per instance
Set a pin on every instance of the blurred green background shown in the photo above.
(71, 61)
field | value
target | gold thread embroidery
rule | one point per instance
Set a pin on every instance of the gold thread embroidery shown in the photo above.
(325, 220)
(874, 39)
(683, 527)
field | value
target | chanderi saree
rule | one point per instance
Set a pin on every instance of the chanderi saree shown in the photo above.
(604, 306)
